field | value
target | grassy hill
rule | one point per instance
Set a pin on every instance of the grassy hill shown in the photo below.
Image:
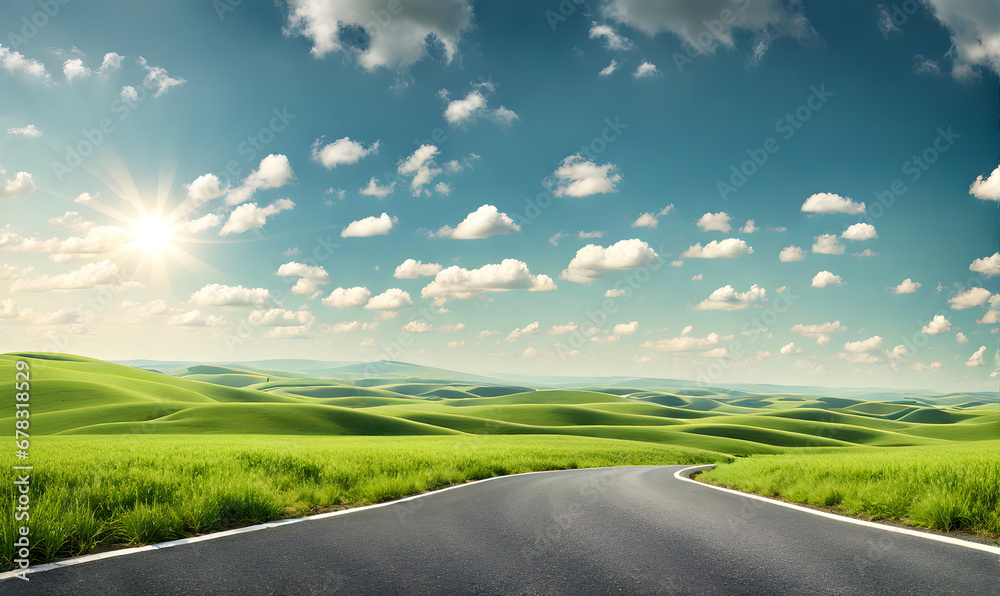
(72, 395)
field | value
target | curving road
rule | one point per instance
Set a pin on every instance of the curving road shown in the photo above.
(635, 530)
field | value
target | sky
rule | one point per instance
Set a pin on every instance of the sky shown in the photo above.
(724, 191)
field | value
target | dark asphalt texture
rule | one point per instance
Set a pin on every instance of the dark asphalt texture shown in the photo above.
(634, 530)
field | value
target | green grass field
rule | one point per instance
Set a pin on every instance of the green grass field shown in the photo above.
(130, 456)
(944, 487)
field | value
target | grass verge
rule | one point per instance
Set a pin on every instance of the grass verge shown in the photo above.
(945, 487)
(125, 489)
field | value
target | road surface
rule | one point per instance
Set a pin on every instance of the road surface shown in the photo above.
(633, 531)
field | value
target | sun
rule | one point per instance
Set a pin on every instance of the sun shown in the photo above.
(152, 235)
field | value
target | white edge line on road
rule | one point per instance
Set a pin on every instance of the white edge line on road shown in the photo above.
(682, 475)
(272, 524)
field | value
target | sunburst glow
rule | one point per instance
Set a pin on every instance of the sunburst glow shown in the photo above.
(153, 235)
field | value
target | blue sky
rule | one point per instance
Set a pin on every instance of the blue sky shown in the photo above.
(726, 191)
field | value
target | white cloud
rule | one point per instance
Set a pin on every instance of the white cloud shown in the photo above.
(647, 70)
(937, 326)
(787, 348)
(975, 35)
(592, 260)
(71, 220)
(340, 152)
(471, 284)
(26, 131)
(969, 298)
(375, 190)
(369, 226)
(730, 248)
(482, 223)
(103, 274)
(422, 166)
(412, 269)
(865, 345)
(697, 277)
(195, 318)
(21, 185)
(274, 171)
(859, 357)
(278, 317)
(579, 177)
(827, 202)
(391, 299)
(504, 116)
(860, 231)
(821, 333)
(350, 327)
(961, 338)
(908, 286)
(761, 20)
(129, 94)
(235, 296)
(612, 41)
(749, 228)
(310, 277)
(977, 357)
(615, 293)
(15, 62)
(204, 188)
(249, 216)
(591, 235)
(203, 223)
(112, 61)
(395, 42)
(790, 254)
(992, 317)
(718, 222)
(826, 244)
(12, 272)
(529, 353)
(75, 69)
(157, 79)
(473, 106)
(348, 297)
(825, 279)
(442, 188)
(531, 329)
(625, 328)
(610, 68)
(99, 240)
(564, 329)
(988, 266)
(646, 220)
(987, 189)
(727, 298)
(452, 328)
(683, 343)
(289, 332)
(921, 366)
(715, 353)
(417, 327)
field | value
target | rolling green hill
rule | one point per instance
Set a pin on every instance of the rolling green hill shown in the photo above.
(72, 395)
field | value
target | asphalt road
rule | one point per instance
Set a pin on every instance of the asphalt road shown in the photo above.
(635, 530)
